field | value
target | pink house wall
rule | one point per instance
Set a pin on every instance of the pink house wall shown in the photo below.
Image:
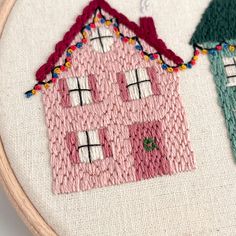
(116, 115)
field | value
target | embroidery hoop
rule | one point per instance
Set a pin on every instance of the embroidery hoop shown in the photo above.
(8, 180)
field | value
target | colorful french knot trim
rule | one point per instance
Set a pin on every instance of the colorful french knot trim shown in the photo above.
(99, 18)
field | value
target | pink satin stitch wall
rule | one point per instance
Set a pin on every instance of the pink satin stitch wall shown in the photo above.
(160, 116)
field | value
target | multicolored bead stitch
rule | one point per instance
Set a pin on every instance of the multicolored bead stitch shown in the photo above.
(133, 41)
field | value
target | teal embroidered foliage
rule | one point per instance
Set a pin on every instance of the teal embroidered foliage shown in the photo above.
(227, 95)
(218, 23)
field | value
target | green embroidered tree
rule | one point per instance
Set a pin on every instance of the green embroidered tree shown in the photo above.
(218, 24)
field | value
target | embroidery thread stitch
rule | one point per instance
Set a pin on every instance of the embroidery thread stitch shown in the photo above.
(144, 5)
(149, 144)
(97, 138)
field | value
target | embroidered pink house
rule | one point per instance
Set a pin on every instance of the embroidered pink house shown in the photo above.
(113, 113)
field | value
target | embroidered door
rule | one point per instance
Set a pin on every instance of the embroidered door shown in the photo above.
(148, 150)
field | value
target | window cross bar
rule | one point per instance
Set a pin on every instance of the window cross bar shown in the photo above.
(229, 65)
(139, 82)
(101, 37)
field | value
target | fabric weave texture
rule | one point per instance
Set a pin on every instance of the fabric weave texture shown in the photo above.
(152, 109)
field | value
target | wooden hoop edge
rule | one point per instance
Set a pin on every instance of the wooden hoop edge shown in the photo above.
(24, 207)
(5, 9)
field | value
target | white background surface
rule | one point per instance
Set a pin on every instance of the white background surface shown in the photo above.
(198, 203)
(10, 223)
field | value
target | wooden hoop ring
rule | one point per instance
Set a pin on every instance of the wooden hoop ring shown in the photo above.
(19, 199)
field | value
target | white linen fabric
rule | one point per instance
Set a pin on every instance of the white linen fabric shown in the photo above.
(201, 202)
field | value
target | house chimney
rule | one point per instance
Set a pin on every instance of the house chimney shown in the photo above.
(148, 27)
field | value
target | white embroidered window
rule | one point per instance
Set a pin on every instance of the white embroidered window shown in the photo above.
(101, 39)
(90, 148)
(230, 69)
(79, 91)
(138, 83)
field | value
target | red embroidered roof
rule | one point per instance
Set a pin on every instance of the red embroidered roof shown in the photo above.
(145, 31)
